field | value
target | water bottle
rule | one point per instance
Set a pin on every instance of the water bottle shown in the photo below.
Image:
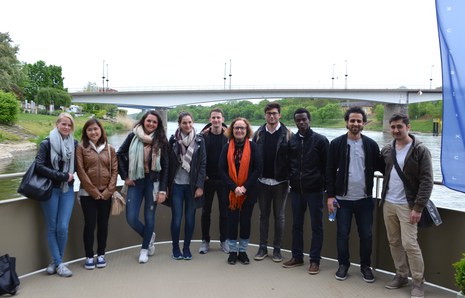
(332, 215)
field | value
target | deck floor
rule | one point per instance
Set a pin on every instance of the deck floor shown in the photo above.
(207, 275)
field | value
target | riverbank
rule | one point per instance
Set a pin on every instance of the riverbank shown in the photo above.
(8, 151)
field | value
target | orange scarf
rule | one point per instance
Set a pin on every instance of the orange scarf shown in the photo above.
(237, 201)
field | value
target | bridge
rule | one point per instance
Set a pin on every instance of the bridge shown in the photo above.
(395, 100)
(172, 98)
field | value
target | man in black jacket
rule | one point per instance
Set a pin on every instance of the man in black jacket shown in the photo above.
(215, 139)
(272, 139)
(307, 161)
(352, 160)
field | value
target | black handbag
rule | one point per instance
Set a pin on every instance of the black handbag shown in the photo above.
(9, 281)
(430, 214)
(35, 186)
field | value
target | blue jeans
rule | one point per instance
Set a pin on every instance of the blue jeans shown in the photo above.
(272, 196)
(182, 195)
(314, 201)
(363, 212)
(239, 222)
(210, 187)
(57, 212)
(142, 189)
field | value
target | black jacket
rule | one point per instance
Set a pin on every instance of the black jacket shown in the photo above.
(206, 133)
(197, 173)
(44, 164)
(123, 163)
(307, 162)
(337, 170)
(255, 168)
(281, 162)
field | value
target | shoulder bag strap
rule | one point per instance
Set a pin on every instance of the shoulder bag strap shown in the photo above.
(396, 165)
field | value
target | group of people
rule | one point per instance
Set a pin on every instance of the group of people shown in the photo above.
(242, 167)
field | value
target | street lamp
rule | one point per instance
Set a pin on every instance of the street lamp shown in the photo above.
(332, 78)
(103, 77)
(107, 77)
(431, 78)
(230, 75)
(346, 75)
(224, 82)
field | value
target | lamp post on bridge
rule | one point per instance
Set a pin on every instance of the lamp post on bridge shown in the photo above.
(103, 77)
(332, 78)
(107, 77)
(346, 75)
(431, 78)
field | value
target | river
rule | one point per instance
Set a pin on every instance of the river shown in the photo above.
(442, 196)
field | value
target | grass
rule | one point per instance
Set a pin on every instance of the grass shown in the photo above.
(6, 136)
(41, 125)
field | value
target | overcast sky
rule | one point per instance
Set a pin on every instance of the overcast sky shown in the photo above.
(383, 43)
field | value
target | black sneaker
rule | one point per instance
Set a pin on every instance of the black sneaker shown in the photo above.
(232, 259)
(243, 258)
(261, 254)
(367, 274)
(341, 273)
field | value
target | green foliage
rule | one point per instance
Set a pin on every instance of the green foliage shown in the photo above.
(379, 112)
(41, 75)
(9, 108)
(47, 96)
(11, 75)
(328, 112)
(101, 114)
(422, 109)
(460, 274)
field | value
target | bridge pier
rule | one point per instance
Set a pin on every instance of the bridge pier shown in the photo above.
(389, 110)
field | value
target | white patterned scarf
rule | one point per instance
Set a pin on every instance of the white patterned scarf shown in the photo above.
(186, 147)
(139, 153)
(62, 150)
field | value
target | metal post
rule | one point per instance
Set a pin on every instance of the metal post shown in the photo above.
(103, 77)
(107, 77)
(230, 75)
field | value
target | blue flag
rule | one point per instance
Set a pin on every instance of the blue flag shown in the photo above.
(451, 26)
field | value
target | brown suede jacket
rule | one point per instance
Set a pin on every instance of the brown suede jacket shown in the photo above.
(93, 170)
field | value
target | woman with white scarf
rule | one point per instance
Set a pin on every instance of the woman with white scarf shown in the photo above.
(143, 165)
(188, 163)
(56, 160)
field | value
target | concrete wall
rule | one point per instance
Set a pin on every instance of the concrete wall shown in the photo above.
(22, 234)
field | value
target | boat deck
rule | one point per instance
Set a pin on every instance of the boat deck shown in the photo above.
(208, 275)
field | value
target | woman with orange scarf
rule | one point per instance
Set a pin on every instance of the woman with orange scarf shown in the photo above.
(240, 166)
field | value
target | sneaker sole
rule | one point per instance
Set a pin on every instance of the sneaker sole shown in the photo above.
(313, 272)
(89, 267)
(340, 278)
(292, 266)
(101, 266)
(393, 288)
(177, 258)
(259, 258)
(277, 260)
(368, 280)
(203, 252)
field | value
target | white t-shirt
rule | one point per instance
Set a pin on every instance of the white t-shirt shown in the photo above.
(396, 193)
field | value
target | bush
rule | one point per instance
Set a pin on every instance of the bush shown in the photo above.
(460, 274)
(9, 108)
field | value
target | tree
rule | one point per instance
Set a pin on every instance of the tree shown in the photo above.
(9, 108)
(11, 76)
(41, 75)
(379, 112)
(57, 97)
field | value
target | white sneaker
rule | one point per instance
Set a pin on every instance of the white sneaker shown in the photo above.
(63, 270)
(143, 257)
(151, 250)
(204, 247)
(101, 262)
(89, 264)
(225, 246)
(51, 268)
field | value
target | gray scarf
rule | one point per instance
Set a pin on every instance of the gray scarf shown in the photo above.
(62, 149)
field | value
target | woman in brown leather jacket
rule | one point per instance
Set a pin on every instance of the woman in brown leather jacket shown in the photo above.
(97, 168)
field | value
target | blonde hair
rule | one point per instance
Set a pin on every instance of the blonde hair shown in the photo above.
(66, 115)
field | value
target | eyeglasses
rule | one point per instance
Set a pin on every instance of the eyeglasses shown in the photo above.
(272, 113)
(240, 128)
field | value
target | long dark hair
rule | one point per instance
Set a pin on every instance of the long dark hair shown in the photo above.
(159, 136)
(85, 138)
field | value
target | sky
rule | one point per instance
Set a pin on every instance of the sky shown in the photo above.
(151, 44)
